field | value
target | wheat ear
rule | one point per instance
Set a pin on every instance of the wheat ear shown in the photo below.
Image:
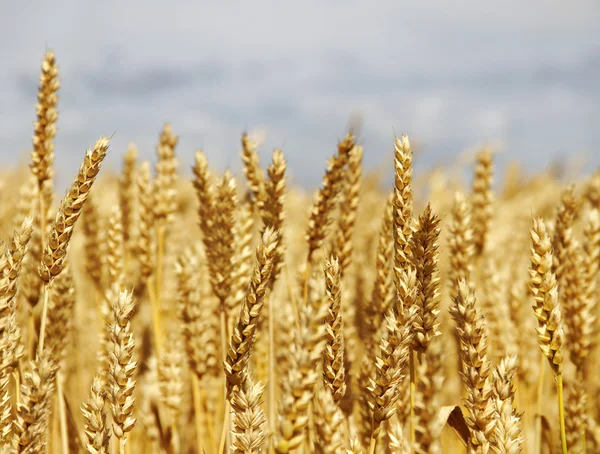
(326, 197)
(425, 257)
(562, 243)
(547, 310)
(482, 199)
(146, 221)
(390, 366)
(243, 336)
(381, 294)
(170, 379)
(96, 431)
(10, 333)
(128, 194)
(42, 156)
(507, 432)
(475, 372)
(93, 254)
(342, 241)
(328, 422)
(333, 356)
(121, 367)
(33, 413)
(248, 418)
(299, 384)
(254, 173)
(403, 205)
(55, 251)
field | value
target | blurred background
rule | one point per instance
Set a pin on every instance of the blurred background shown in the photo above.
(524, 76)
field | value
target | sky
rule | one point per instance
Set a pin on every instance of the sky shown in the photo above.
(524, 76)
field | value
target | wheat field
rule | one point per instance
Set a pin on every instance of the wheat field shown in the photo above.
(151, 312)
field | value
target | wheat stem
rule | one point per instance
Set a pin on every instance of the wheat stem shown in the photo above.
(372, 445)
(42, 214)
(225, 428)
(155, 312)
(413, 390)
(538, 415)
(209, 422)
(272, 410)
(561, 413)
(160, 249)
(45, 292)
(197, 413)
(17, 376)
(175, 439)
(62, 414)
(224, 432)
(292, 296)
(31, 335)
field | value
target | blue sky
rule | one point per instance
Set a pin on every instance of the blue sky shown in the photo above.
(525, 75)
